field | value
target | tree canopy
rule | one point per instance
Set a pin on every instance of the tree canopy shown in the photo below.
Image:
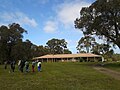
(9, 35)
(12, 46)
(86, 42)
(101, 18)
(67, 51)
(56, 46)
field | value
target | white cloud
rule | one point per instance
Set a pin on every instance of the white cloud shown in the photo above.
(28, 21)
(17, 17)
(50, 27)
(67, 12)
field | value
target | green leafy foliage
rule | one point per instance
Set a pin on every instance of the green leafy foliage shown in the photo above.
(56, 46)
(12, 46)
(86, 42)
(101, 18)
(8, 38)
(67, 51)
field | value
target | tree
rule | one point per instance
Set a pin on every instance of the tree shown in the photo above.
(67, 51)
(17, 51)
(86, 42)
(101, 18)
(56, 46)
(27, 46)
(102, 49)
(40, 51)
(8, 38)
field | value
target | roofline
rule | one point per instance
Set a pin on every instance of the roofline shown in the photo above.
(68, 56)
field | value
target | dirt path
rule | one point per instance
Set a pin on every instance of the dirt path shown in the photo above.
(109, 72)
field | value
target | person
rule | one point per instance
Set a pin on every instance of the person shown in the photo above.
(27, 66)
(22, 65)
(12, 66)
(33, 66)
(39, 65)
(5, 64)
(19, 64)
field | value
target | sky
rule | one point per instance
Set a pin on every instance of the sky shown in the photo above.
(45, 19)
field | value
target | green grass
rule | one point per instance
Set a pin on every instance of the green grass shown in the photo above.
(58, 76)
(114, 66)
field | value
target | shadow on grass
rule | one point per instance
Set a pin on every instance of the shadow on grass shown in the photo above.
(115, 65)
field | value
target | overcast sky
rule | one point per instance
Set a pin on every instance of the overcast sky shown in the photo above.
(45, 19)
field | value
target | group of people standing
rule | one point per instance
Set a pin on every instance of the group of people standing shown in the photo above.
(22, 64)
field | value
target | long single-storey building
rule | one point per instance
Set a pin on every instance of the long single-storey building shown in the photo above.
(81, 57)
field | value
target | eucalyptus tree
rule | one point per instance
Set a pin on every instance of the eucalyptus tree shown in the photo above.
(101, 18)
(67, 51)
(102, 49)
(86, 43)
(56, 46)
(9, 35)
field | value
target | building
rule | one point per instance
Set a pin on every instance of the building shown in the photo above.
(81, 57)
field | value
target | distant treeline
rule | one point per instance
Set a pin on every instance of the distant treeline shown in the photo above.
(12, 46)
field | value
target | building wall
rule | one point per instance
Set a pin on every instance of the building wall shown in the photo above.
(79, 59)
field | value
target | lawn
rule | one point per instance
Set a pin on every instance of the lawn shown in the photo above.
(114, 66)
(58, 76)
